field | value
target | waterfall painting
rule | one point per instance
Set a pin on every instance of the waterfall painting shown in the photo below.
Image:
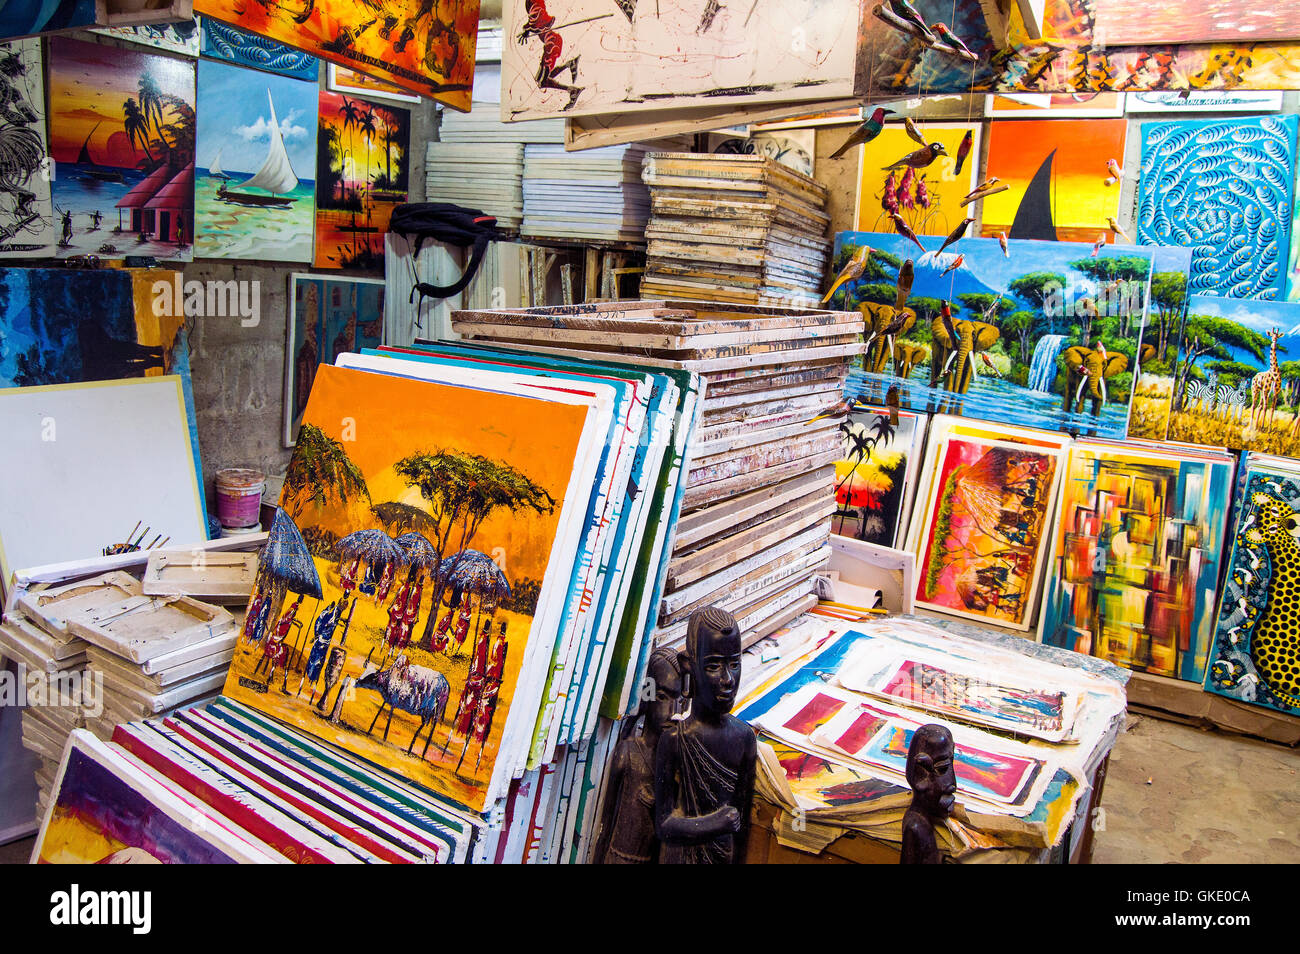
(1041, 334)
(1136, 566)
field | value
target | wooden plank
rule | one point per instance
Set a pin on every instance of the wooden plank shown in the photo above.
(762, 578)
(737, 546)
(721, 489)
(812, 537)
(709, 521)
(754, 461)
(798, 425)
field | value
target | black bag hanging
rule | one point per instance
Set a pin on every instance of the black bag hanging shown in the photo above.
(420, 222)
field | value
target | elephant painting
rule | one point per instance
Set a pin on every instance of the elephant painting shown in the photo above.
(962, 341)
(907, 356)
(884, 324)
(1093, 366)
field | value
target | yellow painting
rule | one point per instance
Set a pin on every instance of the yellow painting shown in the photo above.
(927, 197)
(396, 596)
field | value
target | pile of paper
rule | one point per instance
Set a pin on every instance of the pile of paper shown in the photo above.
(734, 228)
(478, 162)
(757, 499)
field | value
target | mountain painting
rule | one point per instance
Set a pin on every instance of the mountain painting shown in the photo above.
(1043, 334)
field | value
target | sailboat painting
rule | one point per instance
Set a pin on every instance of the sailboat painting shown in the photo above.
(362, 174)
(254, 194)
(121, 127)
(1056, 170)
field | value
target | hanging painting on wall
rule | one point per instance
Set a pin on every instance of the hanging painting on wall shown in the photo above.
(122, 134)
(327, 316)
(1054, 106)
(26, 214)
(1057, 171)
(362, 171)
(928, 198)
(419, 46)
(1225, 188)
(1044, 334)
(182, 38)
(254, 193)
(222, 42)
(1237, 379)
(343, 80)
(1255, 656)
(1124, 22)
(605, 57)
(1138, 548)
(379, 456)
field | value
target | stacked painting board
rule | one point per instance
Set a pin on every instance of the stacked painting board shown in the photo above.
(593, 194)
(758, 493)
(733, 228)
(479, 161)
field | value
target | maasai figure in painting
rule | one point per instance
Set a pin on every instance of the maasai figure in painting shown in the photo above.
(704, 768)
(487, 701)
(398, 631)
(542, 25)
(324, 627)
(441, 634)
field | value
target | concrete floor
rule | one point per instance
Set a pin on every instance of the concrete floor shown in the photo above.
(1173, 794)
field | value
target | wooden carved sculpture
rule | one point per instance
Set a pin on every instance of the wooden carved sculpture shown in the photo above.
(933, 779)
(627, 821)
(1094, 365)
(704, 768)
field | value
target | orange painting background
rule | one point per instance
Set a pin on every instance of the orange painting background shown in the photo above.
(369, 51)
(1081, 199)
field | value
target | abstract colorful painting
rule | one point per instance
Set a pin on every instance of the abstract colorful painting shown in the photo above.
(876, 478)
(106, 809)
(592, 57)
(222, 42)
(1070, 57)
(1224, 188)
(419, 46)
(181, 37)
(1045, 334)
(1056, 170)
(1124, 22)
(327, 317)
(254, 189)
(1137, 557)
(929, 199)
(409, 653)
(362, 172)
(26, 214)
(1255, 656)
(1237, 375)
(981, 539)
(122, 131)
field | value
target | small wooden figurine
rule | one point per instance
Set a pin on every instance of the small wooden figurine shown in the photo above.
(705, 764)
(627, 825)
(934, 788)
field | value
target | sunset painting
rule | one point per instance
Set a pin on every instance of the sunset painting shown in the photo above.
(122, 131)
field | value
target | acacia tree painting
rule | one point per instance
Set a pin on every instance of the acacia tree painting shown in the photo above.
(321, 472)
(1209, 337)
(462, 490)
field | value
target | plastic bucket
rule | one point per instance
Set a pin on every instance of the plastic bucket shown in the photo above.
(239, 496)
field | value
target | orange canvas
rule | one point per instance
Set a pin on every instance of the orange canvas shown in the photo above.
(423, 47)
(929, 199)
(1080, 202)
(409, 658)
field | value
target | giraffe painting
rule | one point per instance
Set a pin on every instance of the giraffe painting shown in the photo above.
(1264, 386)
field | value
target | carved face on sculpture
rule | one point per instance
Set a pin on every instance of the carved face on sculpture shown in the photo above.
(930, 770)
(666, 682)
(713, 657)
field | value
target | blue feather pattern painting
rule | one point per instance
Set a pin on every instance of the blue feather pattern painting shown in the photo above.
(222, 42)
(1224, 189)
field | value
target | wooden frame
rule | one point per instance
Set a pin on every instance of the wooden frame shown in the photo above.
(223, 577)
(141, 627)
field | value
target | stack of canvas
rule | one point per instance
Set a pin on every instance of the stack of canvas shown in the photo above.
(734, 228)
(756, 503)
(479, 161)
(593, 194)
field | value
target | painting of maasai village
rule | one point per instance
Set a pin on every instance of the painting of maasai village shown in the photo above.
(1236, 377)
(362, 171)
(396, 594)
(122, 130)
(1039, 334)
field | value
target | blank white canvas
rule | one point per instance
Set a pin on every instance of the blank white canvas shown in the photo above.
(83, 462)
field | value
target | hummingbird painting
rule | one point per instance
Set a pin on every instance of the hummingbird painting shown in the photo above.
(913, 132)
(1114, 227)
(865, 132)
(920, 158)
(851, 271)
(955, 264)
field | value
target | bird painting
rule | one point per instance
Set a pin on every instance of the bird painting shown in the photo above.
(963, 151)
(902, 228)
(920, 158)
(955, 264)
(851, 271)
(1113, 168)
(1098, 245)
(865, 132)
(956, 234)
(906, 274)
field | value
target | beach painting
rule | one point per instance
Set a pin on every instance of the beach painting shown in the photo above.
(254, 191)
(122, 130)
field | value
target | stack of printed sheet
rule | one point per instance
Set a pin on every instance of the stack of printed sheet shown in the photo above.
(1030, 724)
(734, 228)
(757, 497)
(593, 194)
